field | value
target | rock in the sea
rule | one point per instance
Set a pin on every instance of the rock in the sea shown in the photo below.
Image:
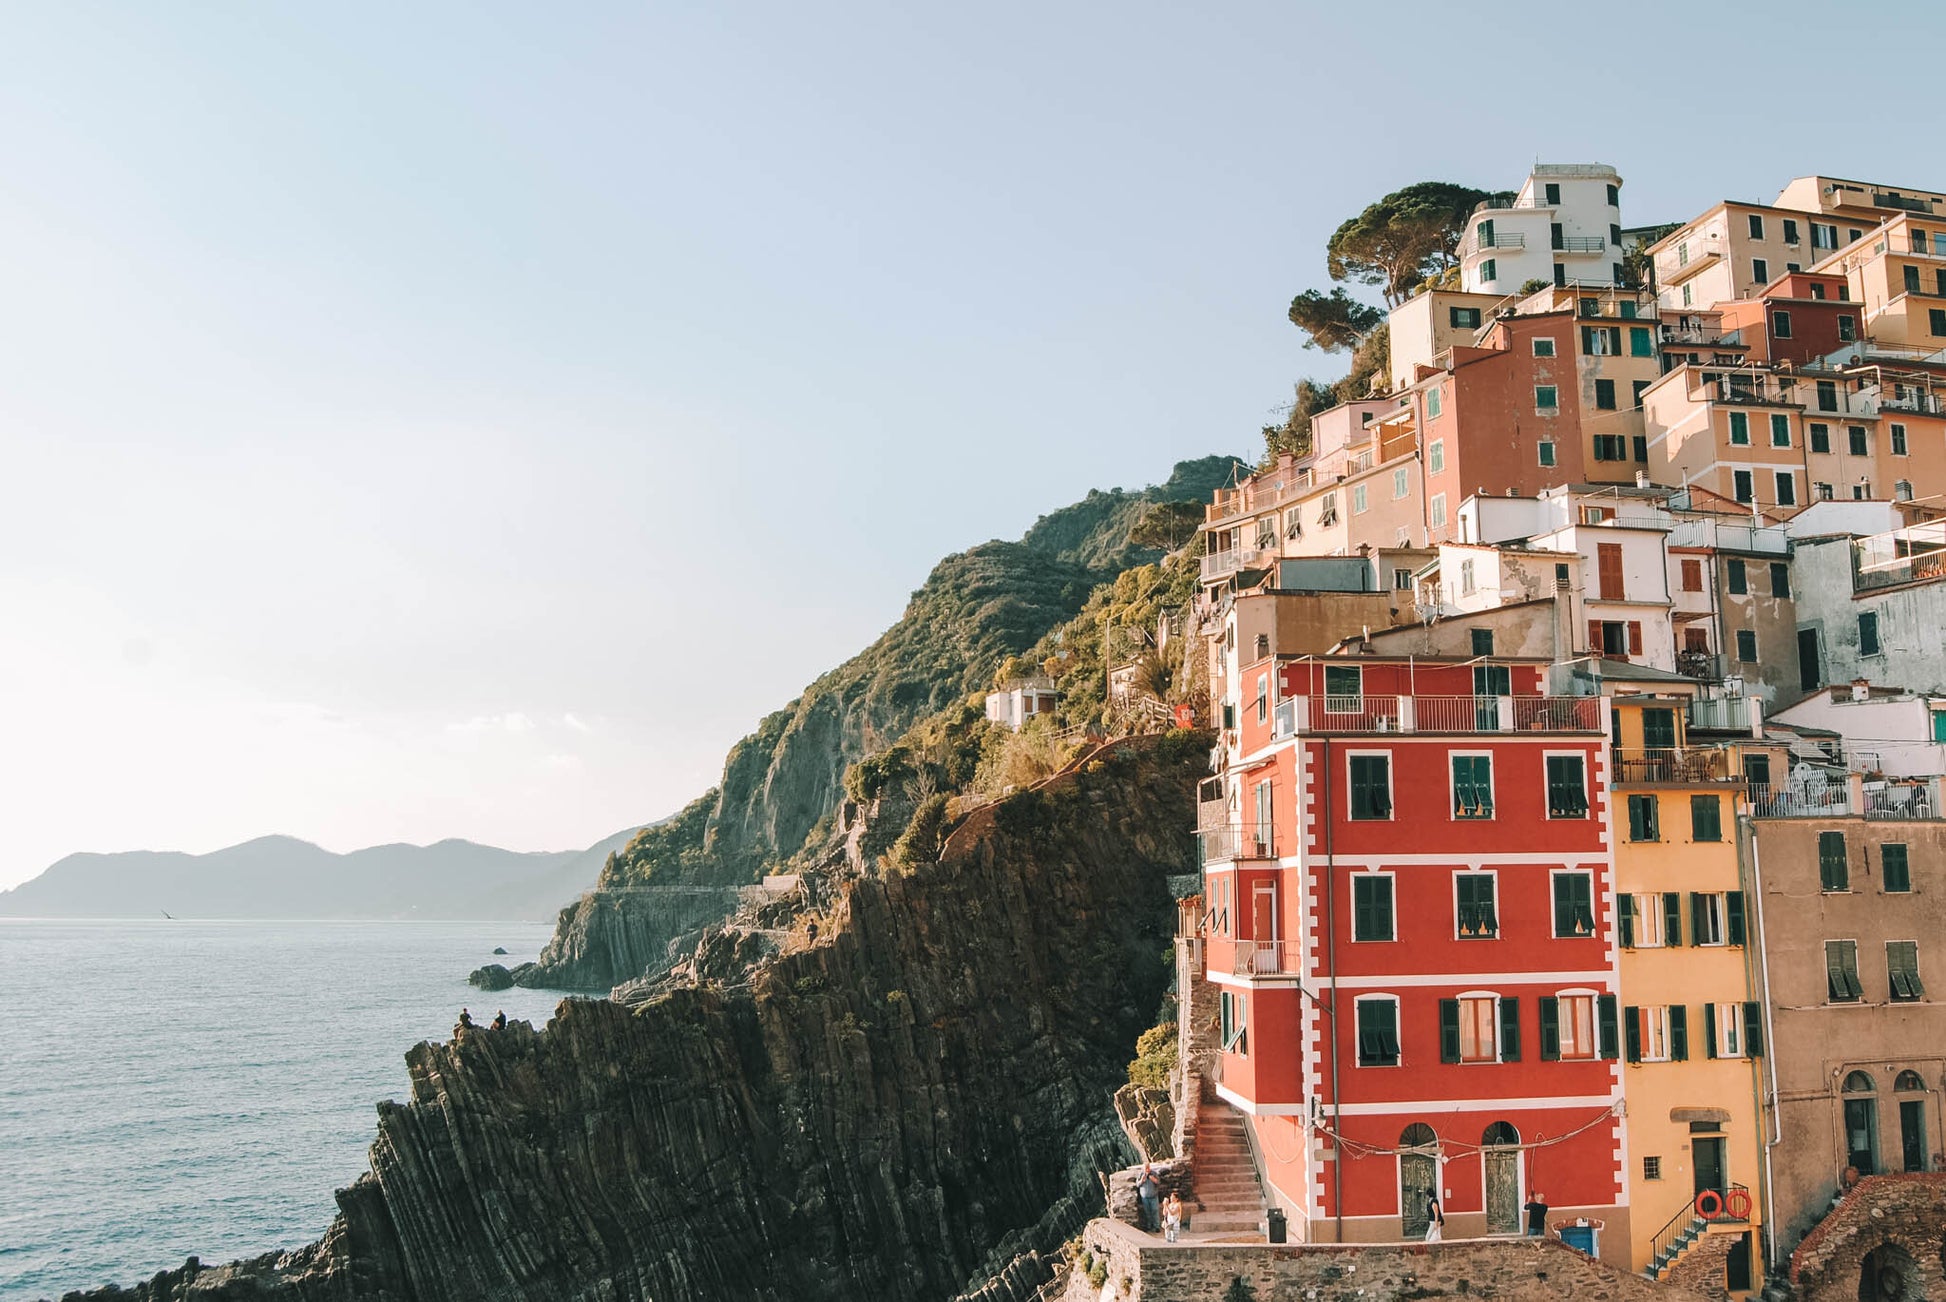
(493, 976)
(498, 950)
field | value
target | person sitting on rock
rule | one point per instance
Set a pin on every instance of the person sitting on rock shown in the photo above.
(465, 1023)
(500, 1020)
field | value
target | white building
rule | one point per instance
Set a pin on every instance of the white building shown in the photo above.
(1563, 228)
(1014, 706)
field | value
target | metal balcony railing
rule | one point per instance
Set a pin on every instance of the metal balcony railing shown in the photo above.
(1673, 764)
(1727, 714)
(1814, 798)
(1580, 244)
(1903, 798)
(1255, 957)
(1216, 565)
(1237, 841)
(1500, 240)
(1440, 714)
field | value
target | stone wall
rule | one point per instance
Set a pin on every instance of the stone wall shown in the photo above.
(1137, 1268)
(1897, 1220)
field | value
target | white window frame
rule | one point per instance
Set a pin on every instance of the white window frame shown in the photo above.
(1900, 444)
(1493, 797)
(1401, 483)
(1437, 510)
(1652, 1033)
(1398, 1029)
(1466, 577)
(1391, 783)
(1594, 899)
(1562, 998)
(1729, 1031)
(1717, 912)
(1648, 912)
(1390, 876)
(1492, 1000)
(1360, 500)
(1237, 1013)
(1543, 345)
(1435, 405)
(1499, 925)
(1436, 457)
(1587, 792)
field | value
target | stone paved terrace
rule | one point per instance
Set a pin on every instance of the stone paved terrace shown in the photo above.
(1138, 1267)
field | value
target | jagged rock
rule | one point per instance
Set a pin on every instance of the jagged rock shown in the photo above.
(1149, 1117)
(493, 976)
(915, 1106)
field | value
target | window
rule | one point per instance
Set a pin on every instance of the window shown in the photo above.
(1611, 447)
(1344, 688)
(1469, 1029)
(1780, 579)
(1378, 1031)
(1636, 389)
(1401, 484)
(1740, 429)
(1936, 321)
(1546, 450)
(1902, 966)
(1488, 272)
(1841, 971)
(1894, 870)
(1435, 405)
(1436, 456)
(1692, 576)
(1780, 324)
(1614, 200)
(1834, 866)
(1859, 492)
(1436, 510)
(1746, 647)
(1231, 1007)
(1760, 271)
(1641, 921)
(1643, 822)
(1824, 491)
(1640, 343)
(1359, 502)
(1545, 398)
(1553, 193)
(1402, 580)
(1688, 299)
(1723, 1030)
(1741, 486)
(1786, 488)
(1574, 904)
(1790, 230)
(1464, 318)
(1898, 441)
(1472, 786)
(1756, 226)
(1482, 639)
(1860, 441)
(1817, 290)
(1605, 395)
(1910, 275)
(1646, 1034)
(1820, 438)
(1868, 644)
(1651, 1168)
(1474, 912)
(1371, 787)
(1705, 818)
(1543, 346)
(1328, 509)
(1706, 919)
(1567, 787)
(1780, 431)
(1847, 329)
(1824, 235)
(1568, 1027)
(1827, 395)
(1371, 907)
(1739, 577)
(1601, 341)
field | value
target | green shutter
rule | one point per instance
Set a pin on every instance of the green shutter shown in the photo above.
(1672, 918)
(1733, 917)
(1705, 818)
(1753, 1028)
(1611, 1040)
(1709, 1030)
(1698, 917)
(1550, 1029)
(1678, 1033)
(1632, 1033)
(1896, 869)
(1834, 872)
(1449, 1037)
(1509, 1028)
(1625, 919)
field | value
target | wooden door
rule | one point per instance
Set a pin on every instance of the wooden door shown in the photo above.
(1503, 1189)
(1706, 1160)
(1417, 1172)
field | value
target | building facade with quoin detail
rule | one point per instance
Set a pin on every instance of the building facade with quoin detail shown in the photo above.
(1574, 834)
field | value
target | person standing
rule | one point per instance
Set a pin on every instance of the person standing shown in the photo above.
(1147, 1196)
(1537, 1215)
(1172, 1217)
(1435, 1219)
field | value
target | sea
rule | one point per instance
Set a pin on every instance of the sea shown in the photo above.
(178, 1088)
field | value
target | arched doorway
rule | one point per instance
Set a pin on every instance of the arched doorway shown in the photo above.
(1861, 1123)
(1500, 1169)
(1889, 1274)
(1913, 1147)
(1418, 1177)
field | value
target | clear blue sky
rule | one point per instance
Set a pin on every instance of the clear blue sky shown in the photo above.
(467, 420)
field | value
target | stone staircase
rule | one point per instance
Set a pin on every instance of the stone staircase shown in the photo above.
(1669, 1255)
(1229, 1197)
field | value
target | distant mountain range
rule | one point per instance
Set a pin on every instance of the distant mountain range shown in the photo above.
(283, 877)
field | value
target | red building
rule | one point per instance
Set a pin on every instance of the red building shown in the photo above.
(1798, 318)
(1411, 932)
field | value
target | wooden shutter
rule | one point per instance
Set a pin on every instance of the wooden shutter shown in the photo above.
(1678, 1033)
(1608, 566)
(1594, 637)
(1635, 637)
(1709, 1030)
(1733, 925)
(1753, 1028)
(1449, 1030)
(1610, 1037)
(1550, 1029)
(1625, 919)
(1698, 917)
(1632, 1033)
(1509, 1028)
(1672, 917)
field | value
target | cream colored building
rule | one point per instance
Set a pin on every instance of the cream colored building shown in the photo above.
(1563, 227)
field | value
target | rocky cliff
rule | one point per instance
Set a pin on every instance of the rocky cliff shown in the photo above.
(782, 783)
(903, 1103)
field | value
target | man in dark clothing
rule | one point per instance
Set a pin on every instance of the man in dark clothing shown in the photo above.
(1148, 1199)
(1536, 1215)
(466, 1019)
(500, 1020)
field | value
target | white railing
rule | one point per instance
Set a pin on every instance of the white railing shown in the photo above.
(1266, 958)
(1217, 565)
(1237, 841)
(1903, 798)
(1727, 714)
(1442, 714)
(1818, 798)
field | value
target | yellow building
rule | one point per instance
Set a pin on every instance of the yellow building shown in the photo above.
(1691, 1029)
(1898, 274)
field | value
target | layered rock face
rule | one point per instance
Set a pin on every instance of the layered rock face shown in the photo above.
(913, 1103)
(610, 936)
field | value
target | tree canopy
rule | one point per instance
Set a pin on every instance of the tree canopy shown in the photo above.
(1335, 321)
(1397, 242)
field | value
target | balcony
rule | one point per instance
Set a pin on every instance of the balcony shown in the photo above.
(1702, 338)
(1496, 205)
(1904, 203)
(1579, 244)
(1915, 554)
(1437, 714)
(1256, 958)
(1903, 798)
(1816, 797)
(1917, 401)
(1235, 842)
(1474, 246)
(1743, 714)
(1750, 391)
(1217, 565)
(1687, 765)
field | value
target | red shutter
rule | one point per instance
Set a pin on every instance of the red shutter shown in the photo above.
(1594, 637)
(1608, 557)
(1634, 637)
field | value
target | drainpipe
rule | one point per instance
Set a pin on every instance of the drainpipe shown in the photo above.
(1776, 1128)
(1331, 965)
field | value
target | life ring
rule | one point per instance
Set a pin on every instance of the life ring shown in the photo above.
(1737, 1205)
(1709, 1204)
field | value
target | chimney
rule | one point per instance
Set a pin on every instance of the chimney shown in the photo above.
(1861, 689)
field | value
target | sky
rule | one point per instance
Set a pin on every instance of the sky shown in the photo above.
(469, 420)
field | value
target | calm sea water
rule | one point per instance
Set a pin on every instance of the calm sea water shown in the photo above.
(178, 1088)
